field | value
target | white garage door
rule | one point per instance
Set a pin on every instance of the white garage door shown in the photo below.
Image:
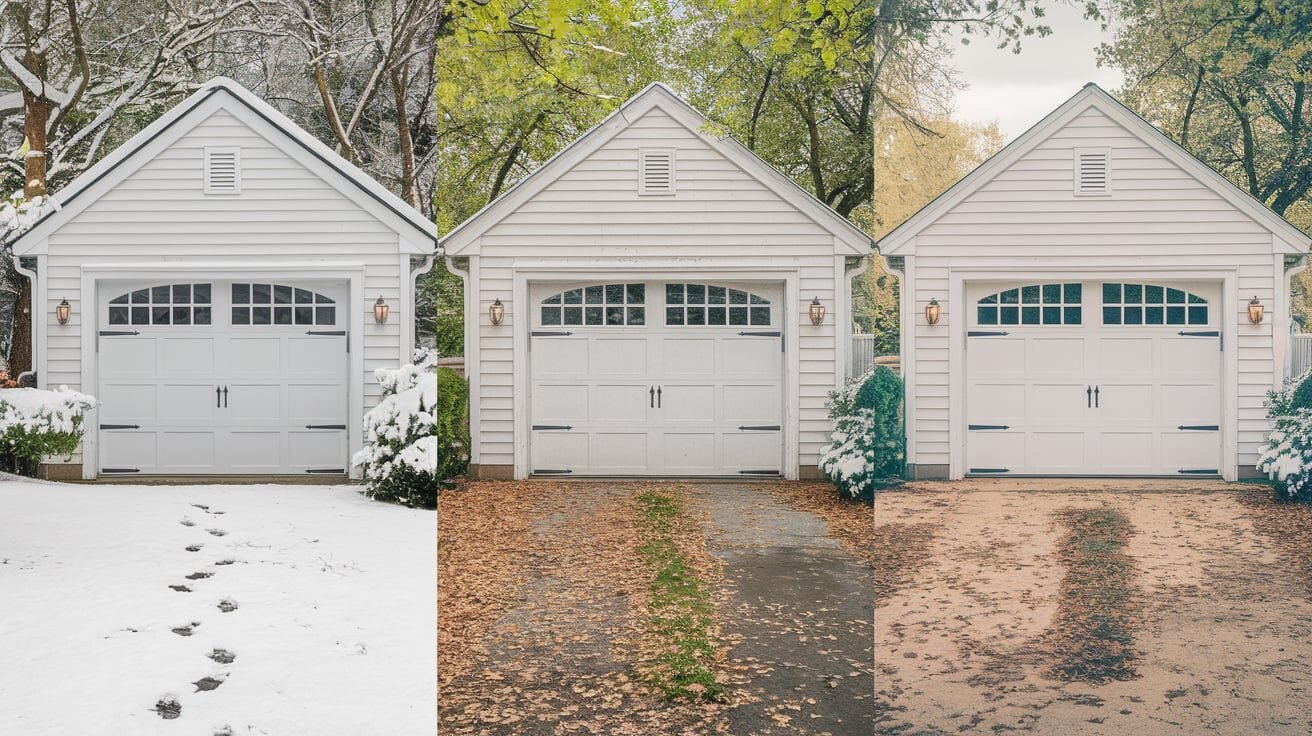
(222, 377)
(656, 379)
(1093, 378)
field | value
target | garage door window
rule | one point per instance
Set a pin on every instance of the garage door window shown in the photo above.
(1035, 304)
(166, 304)
(279, 304)
(698, 305)
(1150, 304)
(599, 305)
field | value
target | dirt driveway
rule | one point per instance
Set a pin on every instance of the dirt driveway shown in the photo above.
(1089, 607)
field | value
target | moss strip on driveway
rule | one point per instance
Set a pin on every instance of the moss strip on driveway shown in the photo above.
(681, 613)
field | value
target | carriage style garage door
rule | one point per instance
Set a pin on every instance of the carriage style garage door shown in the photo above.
(243, 377)
(656, 378)
(1093, 378)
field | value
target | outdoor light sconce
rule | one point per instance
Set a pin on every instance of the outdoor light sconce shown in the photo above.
(1255, 311)
(817, 311)
(380, 311)
(63, 312)
(496, 312)
(932, 311)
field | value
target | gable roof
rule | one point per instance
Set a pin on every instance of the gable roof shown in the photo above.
(226, 94)
(655, 95)
(1288, 238)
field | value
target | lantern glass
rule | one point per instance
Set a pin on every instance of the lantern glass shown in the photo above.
(63, 312)
(932, 311)
(1255, 311)
(496, 312)
(381, 311)
(817, 311)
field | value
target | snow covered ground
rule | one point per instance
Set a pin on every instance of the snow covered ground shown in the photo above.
(334, 630)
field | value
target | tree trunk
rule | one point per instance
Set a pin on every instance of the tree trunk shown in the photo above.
(409, 180)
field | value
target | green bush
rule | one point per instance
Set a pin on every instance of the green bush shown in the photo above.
(452, 424)
(36, 424)
(867, 449)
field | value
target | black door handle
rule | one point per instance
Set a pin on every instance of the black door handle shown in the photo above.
(218, 401)
(651, 395)
(1096, 389)
(1088, 395)
(225, 397)
(658, 397)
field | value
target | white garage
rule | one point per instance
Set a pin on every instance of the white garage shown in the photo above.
(642, 305)
(225, 285)
(1092, 301)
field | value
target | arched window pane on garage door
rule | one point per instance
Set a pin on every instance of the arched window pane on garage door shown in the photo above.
(166, 304)
(1151, 304)
(598, 305)
(1033, 304)
(698, 305)
(280, 304)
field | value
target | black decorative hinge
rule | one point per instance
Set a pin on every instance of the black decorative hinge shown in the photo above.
(1199, 427)
(988, 426)
(325, 426)
(329, 333)
(324, 471)
(1198, 471)
(760, 427)
(551, 471)
(113, 333)
(1203, 333)
(760, 334)
(120, 470)
(758, 472)
(120, 426)
(548, 333)
(552, 426)
(985, 333)
(990, 470)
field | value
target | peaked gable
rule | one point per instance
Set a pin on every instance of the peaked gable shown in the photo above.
(656, 120)
(1148, 163)
(218, 98)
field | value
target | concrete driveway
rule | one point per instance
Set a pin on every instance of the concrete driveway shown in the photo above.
(1200, 589)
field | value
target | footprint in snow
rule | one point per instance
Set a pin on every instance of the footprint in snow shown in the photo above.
(205, 684)
(168, 707)
(180, 589)
(194, 547)
(222, 656)
(227, 605)
(188, 522)
(224, 731)
(225, 562)
(200, 506)
(216, 532)
(200, 575)
(185, 630)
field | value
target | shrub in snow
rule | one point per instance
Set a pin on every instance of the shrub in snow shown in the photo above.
(868, 446)
(35, 424)
(399, 456)
(18, 214)
(1286, 456)
(452, 424)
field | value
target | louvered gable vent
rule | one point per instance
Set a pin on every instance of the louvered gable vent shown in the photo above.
(656, 171)
(1093, 174)
(222, 170)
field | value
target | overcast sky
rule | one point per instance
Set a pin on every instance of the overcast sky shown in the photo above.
(1018, 90)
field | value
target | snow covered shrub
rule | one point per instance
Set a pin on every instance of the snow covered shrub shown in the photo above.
(452, 424)
(35, 424)
(868, 446)
(399, 456)
(1286, 456)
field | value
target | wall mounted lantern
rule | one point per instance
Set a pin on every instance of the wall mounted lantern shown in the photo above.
(932, 311)
(63, 312)
(381, 311)
(1255, 311)
(817, 311)
(496, 312)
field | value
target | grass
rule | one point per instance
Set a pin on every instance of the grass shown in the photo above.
(1093, 633)
(681, 613)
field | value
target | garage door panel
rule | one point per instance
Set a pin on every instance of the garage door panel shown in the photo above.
(317, 402)
(254, 401)
(186, 450)
(621, 403)
(1053, 357)
(996, 403)
(1058, 451)
(1194, 358)
(996, 449)
(314, 357)
(1128, 452)
(557, 404)
(560, 450)
(749, 357)
(129, 448)
(687, 357)
(1126, 402)
(754, 450)
(618, 357)
(686, 402)
(127, 403)
(688, 453)
(558, 357)
(251, 451)
(620, 453)
(751, 404)
(187, 402)
(993, 358)
(127, 357)
(1056, 402)
(186, 356)
(256, 356)
(1126, 357)
(1191, 450)
(316, 448)
(1190, 403)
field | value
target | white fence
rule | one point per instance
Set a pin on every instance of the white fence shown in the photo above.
(863, 356)
(1300, 353)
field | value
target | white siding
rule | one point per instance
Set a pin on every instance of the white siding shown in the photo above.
(284, 211)
(720, 217)
(1027, 217)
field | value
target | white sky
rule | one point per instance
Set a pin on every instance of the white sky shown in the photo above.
(1018, 90)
